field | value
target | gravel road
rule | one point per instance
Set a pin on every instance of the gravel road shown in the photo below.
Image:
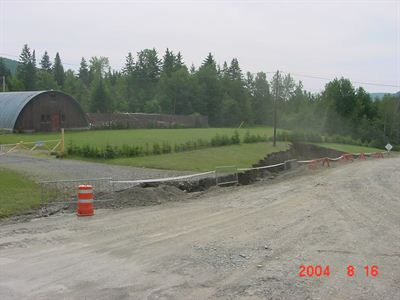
(50, 168)
(239, 242)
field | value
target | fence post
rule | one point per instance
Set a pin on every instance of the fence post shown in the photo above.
(62, 142)
(41, 193)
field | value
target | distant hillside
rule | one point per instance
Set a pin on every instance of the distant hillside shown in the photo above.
(10, 64)
(379, 96)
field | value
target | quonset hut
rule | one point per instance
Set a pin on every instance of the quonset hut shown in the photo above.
(40, 111)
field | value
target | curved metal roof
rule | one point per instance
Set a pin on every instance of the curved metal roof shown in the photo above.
(11, 105)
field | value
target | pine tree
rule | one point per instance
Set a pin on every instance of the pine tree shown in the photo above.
(262, 99)
(34, 59)
(129, 65)
(192, 69)
(234, 71)
(45, 63)
(178, 61)
(148, 64)
(225, 70)
(26, 70)
(83, 73)
(210, 94)
(100, 100)
(209, 62)
(249, 83)
(58, 70)
(4, 71)
(168, 62)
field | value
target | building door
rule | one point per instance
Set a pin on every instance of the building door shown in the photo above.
(55, 122)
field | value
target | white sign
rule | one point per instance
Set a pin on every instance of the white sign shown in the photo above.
(389, 147)
(39, 144)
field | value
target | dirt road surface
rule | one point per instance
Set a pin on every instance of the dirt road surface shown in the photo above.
(50, 168)
(242, 242)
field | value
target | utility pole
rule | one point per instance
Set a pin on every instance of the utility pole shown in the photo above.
(4, 83)
(276, 103)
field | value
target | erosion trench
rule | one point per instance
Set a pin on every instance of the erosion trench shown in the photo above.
(246, 242)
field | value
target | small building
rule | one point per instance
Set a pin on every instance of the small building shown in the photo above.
(40, 111)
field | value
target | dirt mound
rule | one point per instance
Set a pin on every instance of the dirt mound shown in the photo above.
(297, 151)
(139, 196)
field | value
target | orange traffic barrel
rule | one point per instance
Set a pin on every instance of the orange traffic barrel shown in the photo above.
(85, 200)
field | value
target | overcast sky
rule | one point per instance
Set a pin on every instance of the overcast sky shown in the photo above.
(359, 40)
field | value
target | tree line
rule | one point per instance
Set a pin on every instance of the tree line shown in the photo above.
(152, 83)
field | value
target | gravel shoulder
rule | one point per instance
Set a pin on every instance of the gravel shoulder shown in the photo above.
(238, 242)
(50, 168)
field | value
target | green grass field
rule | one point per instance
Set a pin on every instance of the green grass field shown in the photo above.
(133, 136)
(17, 193)
(349, 148)
(242, 156)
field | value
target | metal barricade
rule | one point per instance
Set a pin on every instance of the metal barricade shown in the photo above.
(65, 191)
(48, 146)
(225, 175)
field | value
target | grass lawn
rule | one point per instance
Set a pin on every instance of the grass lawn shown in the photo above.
(17, 193)
(349, 148)
(242, 156)
(134, 136)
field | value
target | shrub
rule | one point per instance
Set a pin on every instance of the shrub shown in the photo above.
(166, 148)
(156, 149)
(109, 152)
(147, 150)
(249, 138)
(235, 139)
(220, 140)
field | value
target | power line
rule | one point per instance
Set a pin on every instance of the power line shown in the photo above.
(329, 79)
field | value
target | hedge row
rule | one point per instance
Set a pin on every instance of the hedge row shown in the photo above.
(109, 151)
